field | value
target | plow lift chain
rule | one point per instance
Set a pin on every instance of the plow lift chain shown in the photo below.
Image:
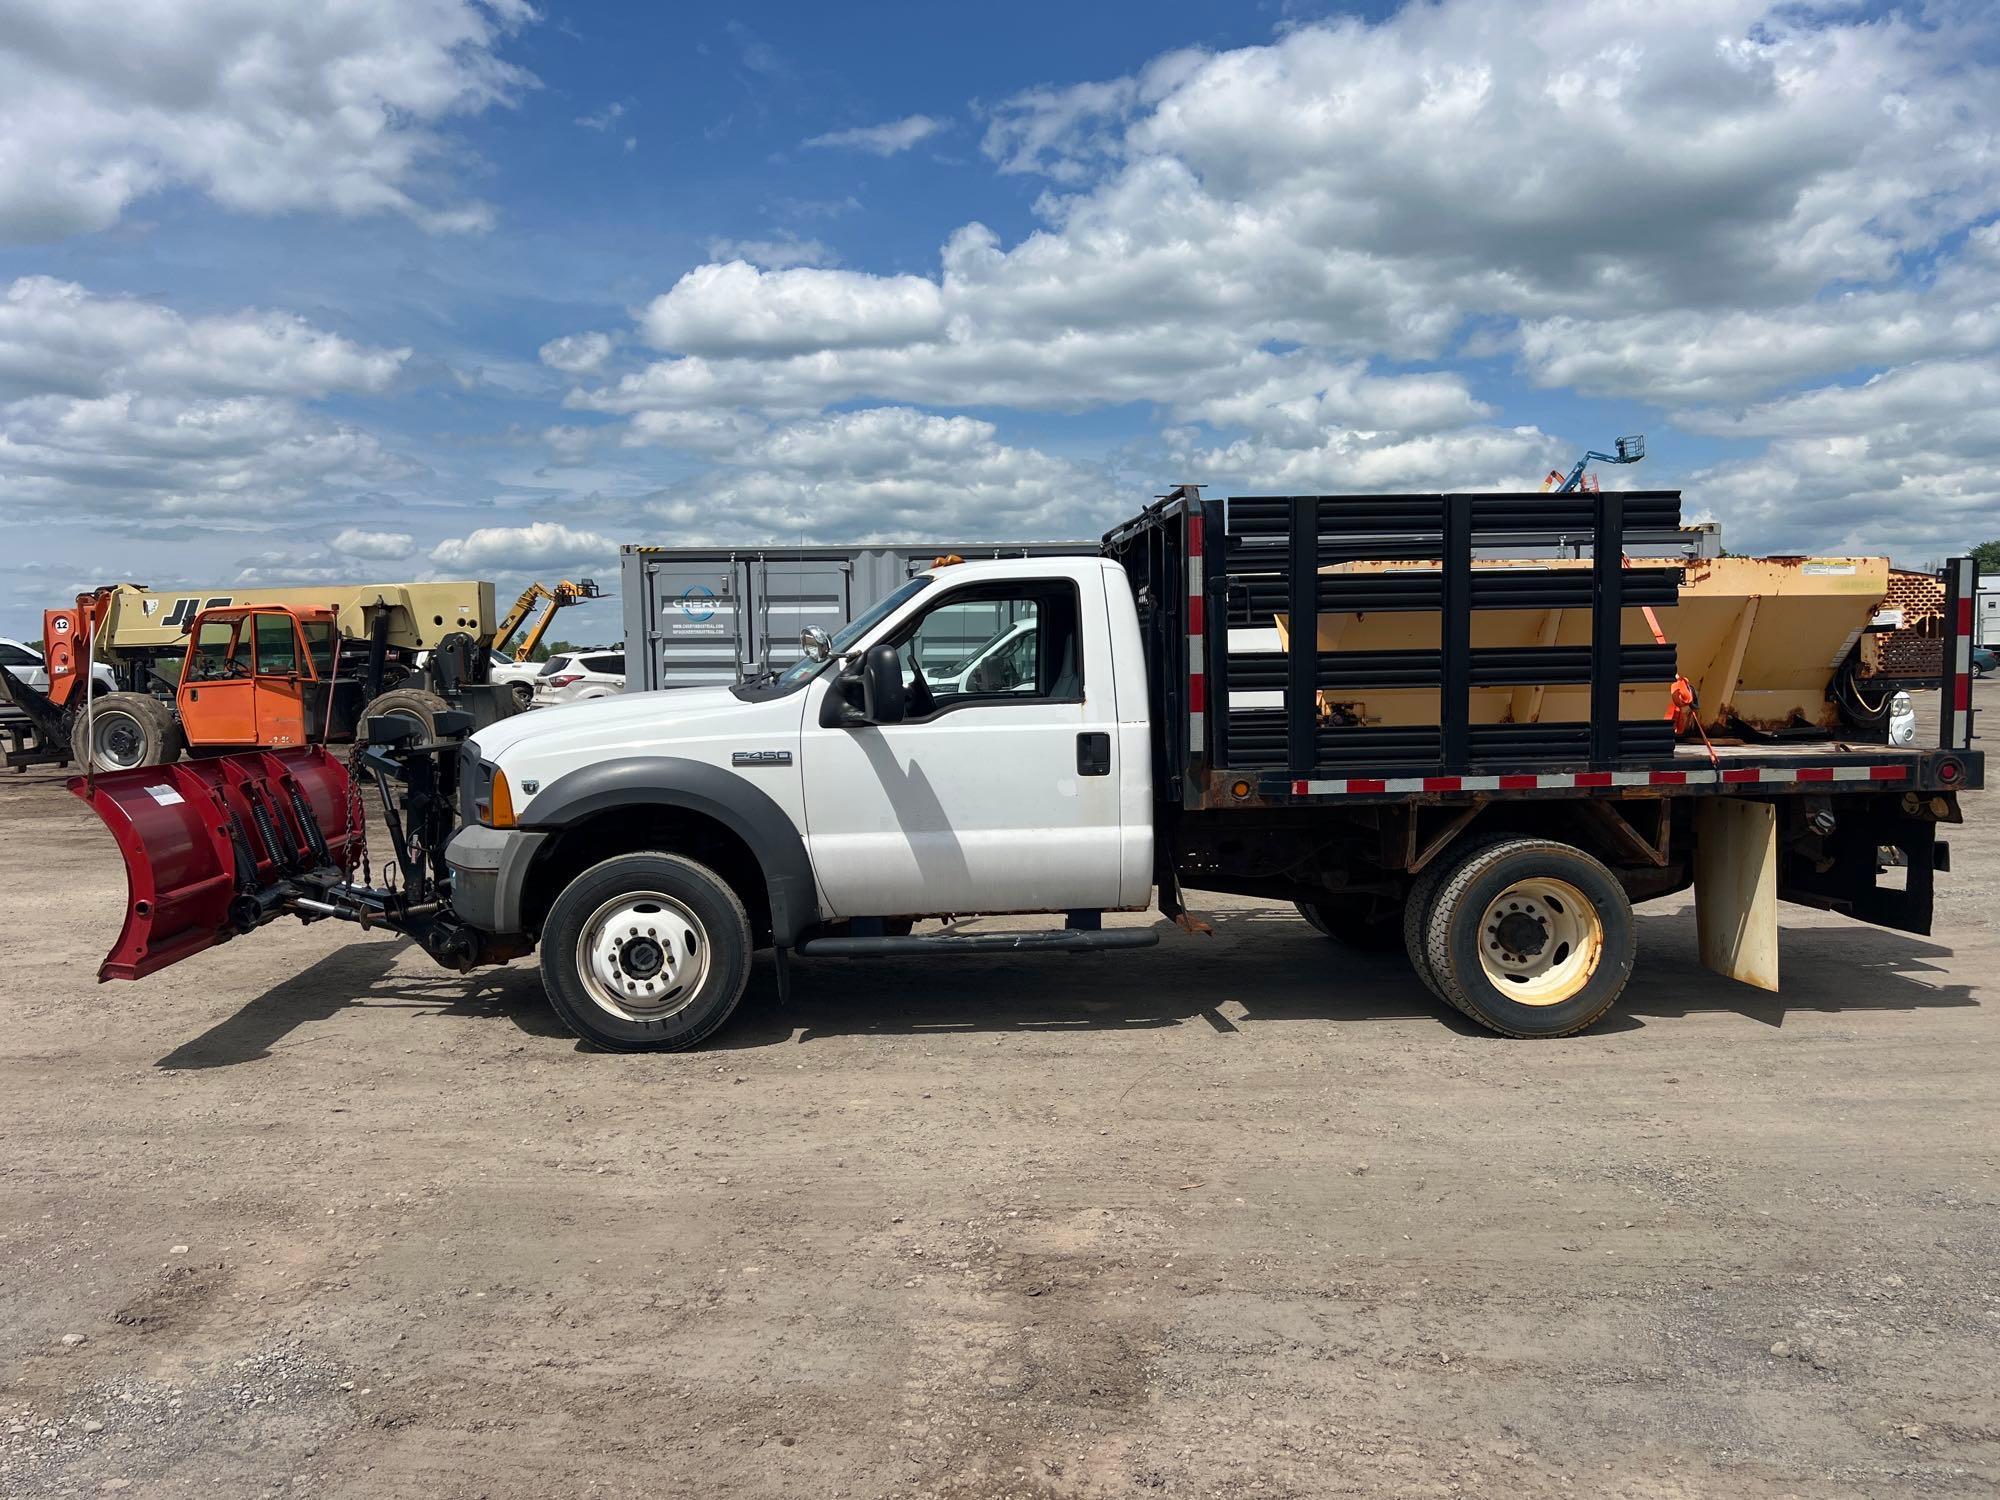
(218, 847)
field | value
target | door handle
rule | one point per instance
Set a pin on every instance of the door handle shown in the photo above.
(1093, 754)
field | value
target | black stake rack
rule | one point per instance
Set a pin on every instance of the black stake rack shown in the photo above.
(1269, 561)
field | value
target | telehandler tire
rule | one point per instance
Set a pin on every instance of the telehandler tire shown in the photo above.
(1529, 937)
(412, 703)
(646, 953)
(129, 730)
(1359, 922)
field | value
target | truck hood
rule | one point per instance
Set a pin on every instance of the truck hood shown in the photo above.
(604, 724)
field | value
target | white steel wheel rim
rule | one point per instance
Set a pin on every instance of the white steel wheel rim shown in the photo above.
(642, 956)
(1540, 940)
(117, 740)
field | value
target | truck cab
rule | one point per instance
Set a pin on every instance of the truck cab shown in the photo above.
(976, 742)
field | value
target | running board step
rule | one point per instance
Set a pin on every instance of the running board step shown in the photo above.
(1062, 940)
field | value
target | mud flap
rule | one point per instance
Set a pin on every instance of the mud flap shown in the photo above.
(209, 846)
(1736, 889)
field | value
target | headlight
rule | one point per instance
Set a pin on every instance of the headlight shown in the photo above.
(1902, 720)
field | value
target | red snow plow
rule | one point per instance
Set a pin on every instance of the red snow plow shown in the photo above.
(216, 848)
(212, 846)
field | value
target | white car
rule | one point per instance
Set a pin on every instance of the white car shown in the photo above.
(518, 675)
(26, 663)
(1005, 663)
(573, 676)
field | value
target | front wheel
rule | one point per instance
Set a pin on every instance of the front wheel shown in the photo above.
(129, 730)
(646, 953)
(417, 704)
(1528, 937)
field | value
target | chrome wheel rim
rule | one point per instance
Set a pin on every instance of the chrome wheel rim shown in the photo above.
(117, 741)
(1540, 940)
(642, 956)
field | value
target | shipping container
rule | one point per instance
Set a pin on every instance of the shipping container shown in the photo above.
(710, 616)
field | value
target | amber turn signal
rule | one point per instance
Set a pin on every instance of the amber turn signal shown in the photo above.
(500, 809)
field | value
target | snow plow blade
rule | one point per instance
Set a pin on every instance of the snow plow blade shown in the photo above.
(218, 847)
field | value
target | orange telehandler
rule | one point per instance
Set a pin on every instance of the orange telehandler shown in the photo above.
(264, 669)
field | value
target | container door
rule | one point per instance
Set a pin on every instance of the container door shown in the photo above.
(698, 633)
(793, 593)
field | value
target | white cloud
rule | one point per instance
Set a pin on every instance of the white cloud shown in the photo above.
(889, 473)
(1907, 462)
(524, 549)
(602, 119)
(774, 254)
(886, 139)
(58, 336)
(721, 309)
(375, 546)
(1068, 133)
(578, 353)
(248, 459)
(118, 410)
(1697, 203)
(264, 108)
(1703, 355)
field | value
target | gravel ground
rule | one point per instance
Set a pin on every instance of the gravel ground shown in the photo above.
(1235, 1217)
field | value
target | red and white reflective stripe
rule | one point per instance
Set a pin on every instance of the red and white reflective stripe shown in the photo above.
(1958, 731)
(1197, 668)
(1362, 786)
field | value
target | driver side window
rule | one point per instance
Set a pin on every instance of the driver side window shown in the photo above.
(1014, 642)
(216, 655)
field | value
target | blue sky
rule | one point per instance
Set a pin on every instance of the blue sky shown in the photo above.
(437, 287)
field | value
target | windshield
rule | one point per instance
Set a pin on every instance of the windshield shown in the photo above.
(856, 628)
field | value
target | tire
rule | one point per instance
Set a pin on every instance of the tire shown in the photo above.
(1553, 896)
(523, 693)
(412, 703)
(1416, 914)
(1358, 922)
(1850, 696)
(617, 991)
(130, 730)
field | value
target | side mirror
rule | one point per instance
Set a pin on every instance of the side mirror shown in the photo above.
(815, 643)
(882, 700)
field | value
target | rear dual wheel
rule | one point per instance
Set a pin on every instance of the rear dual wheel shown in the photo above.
(1528, 937)
(1365, 922)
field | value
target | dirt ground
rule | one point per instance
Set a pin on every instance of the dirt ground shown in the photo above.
(1235, 1217)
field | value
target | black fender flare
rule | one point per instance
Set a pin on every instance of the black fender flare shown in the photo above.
(670, 781)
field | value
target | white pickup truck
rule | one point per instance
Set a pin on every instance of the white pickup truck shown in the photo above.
(1104, 736)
